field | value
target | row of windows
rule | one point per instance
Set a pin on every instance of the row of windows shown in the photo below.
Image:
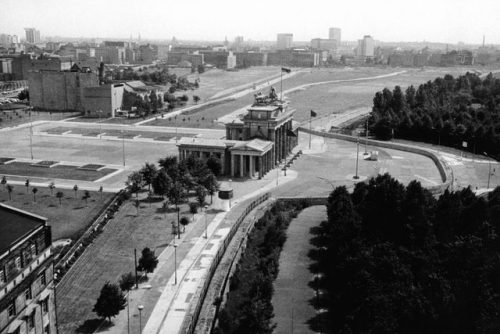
(28, 295)
(12, 311)
(18, 262)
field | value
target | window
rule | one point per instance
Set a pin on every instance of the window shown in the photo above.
(45, 305)
(12, 309)
(27, 293)
(33, 249)
(46, 330)
(2, 276)
(42, 279)
(17, 262)
(31, 320)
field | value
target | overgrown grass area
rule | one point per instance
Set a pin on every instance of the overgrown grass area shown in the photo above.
(69, 218)
(57, 172)
(16, 115)
(248, 308)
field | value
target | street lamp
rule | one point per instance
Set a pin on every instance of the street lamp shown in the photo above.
(489, 170)
(206, 233)
(140, 308)
(175, 264)
(123, 147)
(357, 158)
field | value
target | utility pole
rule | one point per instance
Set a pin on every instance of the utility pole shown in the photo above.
(357, 158)
(135, 268)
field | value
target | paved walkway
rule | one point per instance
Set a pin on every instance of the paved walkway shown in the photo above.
(291, 298)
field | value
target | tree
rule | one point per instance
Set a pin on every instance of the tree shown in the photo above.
(193, 208)
(10, 188)
(52, 186)
(201, 68)
(4, 181)
(196, 99)
(127, 281)
(27, 185)
(184, 98)
(210, 183)
(149, 172)
(86, 196)
(176, 193)
(134, 183)
(110, 302)
(148, 261)
(34, 191)
(100, 191)
(24, 95)
(215, 165)
(75, 189)
(184, 222)
(60, 195)
(201, 193)
(161, 183)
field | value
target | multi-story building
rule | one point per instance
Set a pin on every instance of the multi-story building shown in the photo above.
(284, 41)
(27, 297)
(111, 54)
(254, 144)
(335, 34)
(231, 60)
(322, 44)
(32, 35)
(366, 47)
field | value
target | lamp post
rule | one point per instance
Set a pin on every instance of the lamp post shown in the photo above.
(489, 170)
(123, 147)
(230, 188)
(140, 308)
(175, 264)
(357, 158)
(206, 228)
(128, 312)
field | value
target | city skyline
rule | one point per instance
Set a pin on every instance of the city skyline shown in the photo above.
(443, 22)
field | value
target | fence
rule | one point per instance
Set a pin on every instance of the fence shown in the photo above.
(193, 314)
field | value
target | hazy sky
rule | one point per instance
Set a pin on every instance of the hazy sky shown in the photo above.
(393, 20)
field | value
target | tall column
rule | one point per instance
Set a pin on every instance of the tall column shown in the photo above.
(232, 165)
(223, 163)
(241, 165)
(252, 171)
(260, 167)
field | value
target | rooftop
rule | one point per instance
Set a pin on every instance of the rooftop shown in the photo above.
(16, 224)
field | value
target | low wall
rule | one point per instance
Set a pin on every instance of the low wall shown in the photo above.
(444, 170)
(191, 318)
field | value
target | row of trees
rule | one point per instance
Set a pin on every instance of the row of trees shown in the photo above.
(248, 308)
(393, 259)
(59, 194)
(447, 110)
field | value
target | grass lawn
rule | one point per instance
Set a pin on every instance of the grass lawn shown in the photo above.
(292, 295)
(68, 220)
(56, 172)
(20, 116)
(110, 256)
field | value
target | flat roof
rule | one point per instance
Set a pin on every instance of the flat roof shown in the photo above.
(15, 224)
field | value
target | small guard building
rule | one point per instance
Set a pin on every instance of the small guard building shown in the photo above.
(255, 143)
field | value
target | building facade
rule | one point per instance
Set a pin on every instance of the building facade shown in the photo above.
(284, 41)
(335, 34)
(27, 296)
(366, 47)
(32, 35)
(254, 144)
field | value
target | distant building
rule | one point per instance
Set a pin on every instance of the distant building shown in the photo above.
(254, 144)
(284, 41)
(231, 61)
(366, 47)
(163, 52)
(32, 35)
(111, 54)
(238, 44)
(293, 58)
(321, 44)
(335, 34)
(27, 298)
